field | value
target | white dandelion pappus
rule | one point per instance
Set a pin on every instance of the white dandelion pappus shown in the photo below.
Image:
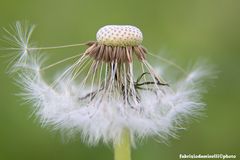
(18, 37)
(107, 99)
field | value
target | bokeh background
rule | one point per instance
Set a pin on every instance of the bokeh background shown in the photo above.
(183, 30)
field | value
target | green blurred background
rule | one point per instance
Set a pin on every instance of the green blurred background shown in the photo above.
(185, 30)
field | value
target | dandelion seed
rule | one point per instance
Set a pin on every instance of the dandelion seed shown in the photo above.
(101, 96)
(18, 37)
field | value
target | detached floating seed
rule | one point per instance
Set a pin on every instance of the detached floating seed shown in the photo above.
(117, 43)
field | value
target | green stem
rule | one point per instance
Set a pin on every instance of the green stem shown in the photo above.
(122, 150)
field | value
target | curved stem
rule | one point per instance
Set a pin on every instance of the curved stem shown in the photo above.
(122, 150)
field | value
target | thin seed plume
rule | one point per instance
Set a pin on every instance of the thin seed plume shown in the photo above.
(108, 88)
(18, 39)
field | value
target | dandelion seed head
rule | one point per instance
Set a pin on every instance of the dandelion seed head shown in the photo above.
(101, 94)
(119, 35)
